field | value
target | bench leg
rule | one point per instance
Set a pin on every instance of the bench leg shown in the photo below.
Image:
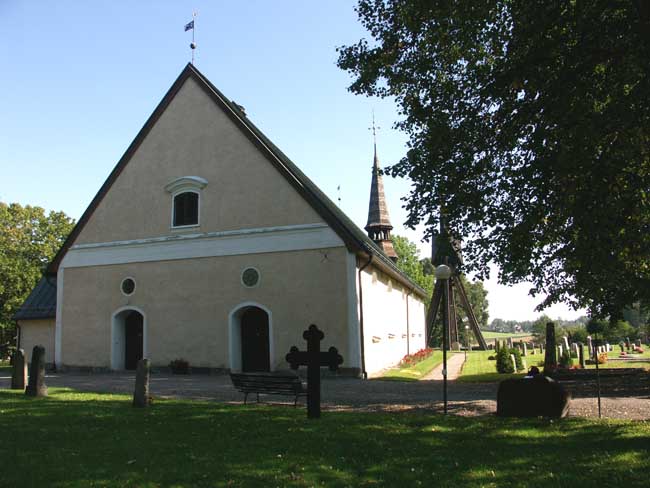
(258, 398)
(245, 398)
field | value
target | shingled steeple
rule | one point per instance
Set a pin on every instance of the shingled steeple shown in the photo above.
(378, 226)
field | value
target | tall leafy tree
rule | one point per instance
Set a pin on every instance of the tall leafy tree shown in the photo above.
(408, 260)
(29, 238)
(530, 120)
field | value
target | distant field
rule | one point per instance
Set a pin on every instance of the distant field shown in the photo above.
(487, 334)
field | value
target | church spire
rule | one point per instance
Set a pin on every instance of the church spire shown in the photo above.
(379, 226)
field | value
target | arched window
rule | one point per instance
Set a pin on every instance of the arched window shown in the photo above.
(186, 200)
(186, 209)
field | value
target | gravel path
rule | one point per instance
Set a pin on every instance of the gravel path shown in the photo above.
(361, 395)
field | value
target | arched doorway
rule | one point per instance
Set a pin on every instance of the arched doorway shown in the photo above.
(254, 325)
(251, 338)
(128, 339)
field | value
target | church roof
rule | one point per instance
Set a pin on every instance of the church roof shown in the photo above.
(355, 239)
(41, 302)
(378, 210)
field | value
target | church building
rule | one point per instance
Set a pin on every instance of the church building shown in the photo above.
(207, 243)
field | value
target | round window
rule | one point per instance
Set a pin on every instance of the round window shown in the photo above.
(128, 286)
(250, 277)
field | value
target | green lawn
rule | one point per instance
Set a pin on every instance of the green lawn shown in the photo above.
(415, 372)
(478, 368)
(80, 440)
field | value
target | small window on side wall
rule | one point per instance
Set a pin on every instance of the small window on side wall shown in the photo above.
(186, 209)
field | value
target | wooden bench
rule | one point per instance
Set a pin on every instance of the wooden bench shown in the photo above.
(270, 384)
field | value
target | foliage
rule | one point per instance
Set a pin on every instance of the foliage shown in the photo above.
(565, 360)
(73, 439)
(29, 239)
(408, 260)
(531, 121)
(504, 361)
(416, 357)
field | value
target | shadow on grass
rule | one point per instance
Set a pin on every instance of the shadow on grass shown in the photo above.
(72, 439)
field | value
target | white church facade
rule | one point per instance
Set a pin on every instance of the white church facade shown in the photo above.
(207, 243)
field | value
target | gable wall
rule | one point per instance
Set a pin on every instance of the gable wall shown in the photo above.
(194, 137)
(187, 305)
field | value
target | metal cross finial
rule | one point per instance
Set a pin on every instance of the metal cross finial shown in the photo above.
(374, 128)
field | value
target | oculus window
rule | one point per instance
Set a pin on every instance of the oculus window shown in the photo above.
(186, 209)
(250, 277)
(128, 286)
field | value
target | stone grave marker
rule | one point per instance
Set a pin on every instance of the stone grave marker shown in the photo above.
(19, 372)
(565, 339)
(524, 350)
(622, 346)
(590, 347)
(36, 386)
(514, 362)
(560, 350)
(510, 344)
(141, 396)
(581, 355)
(550, 358)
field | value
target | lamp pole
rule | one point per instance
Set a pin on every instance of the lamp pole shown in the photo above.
(443, 272)
(467, 340)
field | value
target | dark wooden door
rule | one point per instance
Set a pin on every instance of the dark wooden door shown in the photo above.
(255, 340)
(133, 344)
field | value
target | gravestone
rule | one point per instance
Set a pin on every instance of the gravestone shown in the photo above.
(19, 372)
(574, 348)
(514, 362)
(565, 340)
(608, 348)
(532, 397)
(560, 351)
(581, 355)
(628, 344)
(141, 396)
(496, 344)
(524, 350)
(510, 345)
(550, 358)
(590, 347)
(637, 343)
(36, 386)
(313, 358)
(622, 346)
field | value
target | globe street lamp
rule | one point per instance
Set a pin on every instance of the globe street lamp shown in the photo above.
(443, 272)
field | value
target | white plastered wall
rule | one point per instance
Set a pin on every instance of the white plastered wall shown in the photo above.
(37, 333)
(388, 337)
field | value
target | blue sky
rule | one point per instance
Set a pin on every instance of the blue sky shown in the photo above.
(79, 79)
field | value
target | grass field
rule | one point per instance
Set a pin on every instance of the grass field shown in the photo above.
(81, 440)
(415, 372)
(478, 368)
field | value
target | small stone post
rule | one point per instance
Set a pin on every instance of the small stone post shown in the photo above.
(524, 351)
(514, 362)
(36, 386)
(19, 373)
(141, 393)
(581, 354)
(550, 358)
(590, 347)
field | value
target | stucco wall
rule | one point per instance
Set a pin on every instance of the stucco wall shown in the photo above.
(387, 335)
(194, 137)
(37, 333)
(187, 303)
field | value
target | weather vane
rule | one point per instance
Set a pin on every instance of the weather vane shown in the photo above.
(190, 26)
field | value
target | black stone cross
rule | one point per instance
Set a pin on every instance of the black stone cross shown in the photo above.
(314, 358)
